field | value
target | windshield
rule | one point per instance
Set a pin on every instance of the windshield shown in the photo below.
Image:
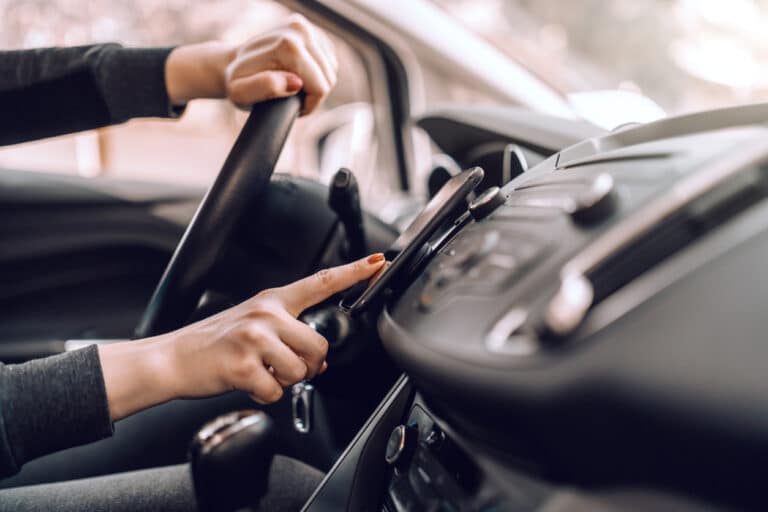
(683, 54)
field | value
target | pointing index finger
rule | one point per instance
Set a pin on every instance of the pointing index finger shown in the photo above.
(314, 289)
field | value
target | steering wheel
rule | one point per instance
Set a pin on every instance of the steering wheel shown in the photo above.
(241, 181)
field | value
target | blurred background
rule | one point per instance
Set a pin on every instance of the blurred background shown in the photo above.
(189, 150)
(677, 55)
(685, 55)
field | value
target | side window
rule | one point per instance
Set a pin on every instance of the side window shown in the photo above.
(189, 150)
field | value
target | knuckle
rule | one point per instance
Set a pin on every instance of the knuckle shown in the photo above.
(235, 93)
(313, 364)
(319, 346)
(324, 278)
(243, 332)
(252, 334)
(237, 351)
(324, 345)
(243, 369)
(316, 354)
(275, 394)
(266, 308)
(298, 22)
(289, 44)
(230, 73)
(266, 294)
(297, 371)
(358, 266)
(273, 85)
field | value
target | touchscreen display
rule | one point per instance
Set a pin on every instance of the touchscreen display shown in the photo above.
(434, 214)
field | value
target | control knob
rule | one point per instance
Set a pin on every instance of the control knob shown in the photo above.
(487, 202)
(401, 445)
(597, 202)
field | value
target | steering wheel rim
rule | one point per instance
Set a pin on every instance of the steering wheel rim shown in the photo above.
(243, 177)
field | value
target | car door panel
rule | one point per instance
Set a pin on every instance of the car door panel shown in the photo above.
(79, 257)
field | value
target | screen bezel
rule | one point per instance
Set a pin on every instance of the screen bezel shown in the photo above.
(432, 216)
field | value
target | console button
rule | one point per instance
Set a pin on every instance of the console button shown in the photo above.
(435, 439)
(496, 271)
(595, 203)
(401, 445)
(486, 203)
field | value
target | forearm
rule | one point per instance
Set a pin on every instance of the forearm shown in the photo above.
(51, 404)
(137, 375)
(52, 91)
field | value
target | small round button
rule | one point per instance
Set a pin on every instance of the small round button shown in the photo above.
(401, 444)
(597, 202)
(486, 203)
(435, 439)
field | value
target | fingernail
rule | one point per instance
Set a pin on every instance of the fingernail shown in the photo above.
(375, 258)
(292, 83)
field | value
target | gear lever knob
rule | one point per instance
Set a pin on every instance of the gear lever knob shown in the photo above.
(230, 458)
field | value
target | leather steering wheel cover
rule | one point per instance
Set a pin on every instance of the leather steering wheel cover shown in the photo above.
(240, 182)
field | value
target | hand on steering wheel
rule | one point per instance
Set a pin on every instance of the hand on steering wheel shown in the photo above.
(293, 56)
(257, 346)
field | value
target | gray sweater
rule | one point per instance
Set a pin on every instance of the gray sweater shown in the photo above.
(51, 404)
(59, 402)
(52, 91)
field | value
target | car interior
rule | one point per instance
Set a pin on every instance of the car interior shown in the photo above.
(572, 319)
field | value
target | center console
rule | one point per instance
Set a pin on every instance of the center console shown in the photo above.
(431, 471)
(597, 324)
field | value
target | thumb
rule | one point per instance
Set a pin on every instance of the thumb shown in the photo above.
(266, 85)
(299, 295)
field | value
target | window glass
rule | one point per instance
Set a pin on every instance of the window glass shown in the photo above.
(683, 54)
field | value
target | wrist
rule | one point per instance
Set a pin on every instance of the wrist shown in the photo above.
(198, 71)
(137, 375)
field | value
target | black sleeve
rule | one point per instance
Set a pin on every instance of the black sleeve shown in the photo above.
(52, 91)
(51, 404)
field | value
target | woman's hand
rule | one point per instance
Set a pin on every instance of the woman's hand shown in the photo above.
(279, 63)
(258, 346)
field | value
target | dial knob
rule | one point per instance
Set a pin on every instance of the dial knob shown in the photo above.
(597, 202)
(401, 445)
(487, 202)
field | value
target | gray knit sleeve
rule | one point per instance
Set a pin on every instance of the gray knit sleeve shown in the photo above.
(51, 404)
(51, 91)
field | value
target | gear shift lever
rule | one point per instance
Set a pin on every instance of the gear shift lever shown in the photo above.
(230, 459)
(344, 199)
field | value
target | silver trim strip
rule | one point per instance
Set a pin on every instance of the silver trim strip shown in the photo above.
(211, 440)
(361, 436)
(71, 345)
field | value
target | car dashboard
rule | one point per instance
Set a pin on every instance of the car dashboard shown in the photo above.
(593, 341)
